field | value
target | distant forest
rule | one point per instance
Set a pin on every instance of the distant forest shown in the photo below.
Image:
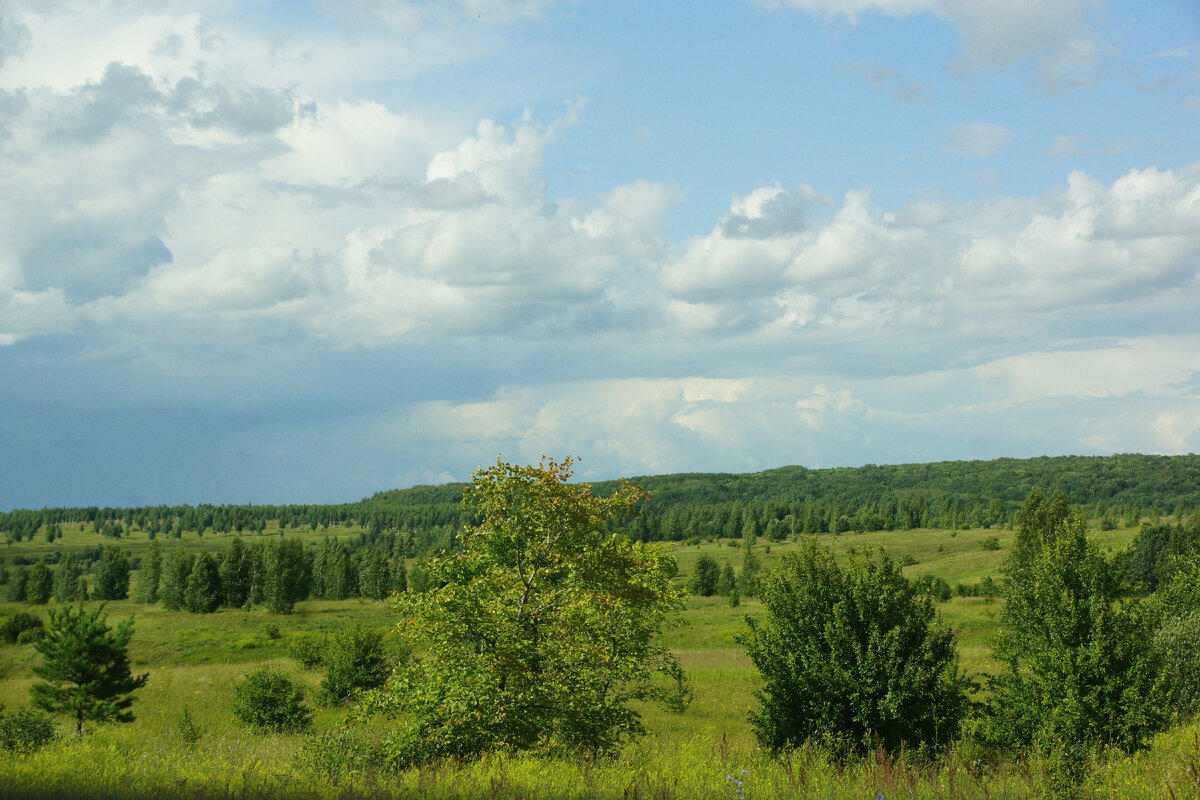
(776, 503)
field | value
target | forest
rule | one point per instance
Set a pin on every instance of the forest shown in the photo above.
(1019, 628)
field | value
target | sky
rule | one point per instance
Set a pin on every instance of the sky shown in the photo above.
(303, 251)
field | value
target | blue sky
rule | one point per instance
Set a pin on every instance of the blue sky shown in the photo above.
(305, 251)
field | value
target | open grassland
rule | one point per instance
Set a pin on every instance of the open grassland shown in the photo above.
(194, 662)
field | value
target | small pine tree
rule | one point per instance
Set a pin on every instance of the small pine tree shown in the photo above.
(112, 575)
(85, 667)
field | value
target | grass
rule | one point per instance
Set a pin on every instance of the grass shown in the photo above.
(195, 660)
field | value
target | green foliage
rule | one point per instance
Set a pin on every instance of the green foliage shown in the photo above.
(706, 577)
(991, 543)
(12, 628)
(150, 575)
(355, 659)
(727, 581)
(202, 593)
(541, 627)
(69, 584)
(284, 575)
(1178, 640)
(176, 569)
(851, 657)
(236, 574)
(85, 667)
(112, 575)
(1081, 670)
(189, 732)
(307, 650)
(25, 730)
(269, 700)
(1157, 549)
(41, 584)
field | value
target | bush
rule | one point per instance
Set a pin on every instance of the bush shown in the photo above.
(1179, 642)
(30, 635)
(25, 730)
(355, 660)
(308, 651)
(853, 658)
(268, 700)
(991, 543)
(11, 629)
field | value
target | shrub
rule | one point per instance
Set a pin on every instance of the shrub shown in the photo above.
(1179, 642)
(991, 543)
(25, 730)
(268, 700)
(30, 635)
(272, 631)
(852, 658)
(308, 651)
(22, 621)
(355, 660)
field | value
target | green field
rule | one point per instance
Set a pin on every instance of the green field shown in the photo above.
(195, 660)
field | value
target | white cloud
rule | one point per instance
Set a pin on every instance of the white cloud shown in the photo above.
(977, 139)
(993, 32)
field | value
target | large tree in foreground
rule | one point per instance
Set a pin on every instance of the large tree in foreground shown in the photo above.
(85, 668)
(543, 624)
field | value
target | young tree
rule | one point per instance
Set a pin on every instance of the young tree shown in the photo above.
(704, 581)
(150, 575)
(727, 581)
(112, 575)
(354, 659)
(851, 657)
(41, 584)
(374, 573)
(202, 594)
(85, 667)
(544, 624)
(176, 569)
(285, 573)
(1082, 670)
(237, 575)
(69, 585)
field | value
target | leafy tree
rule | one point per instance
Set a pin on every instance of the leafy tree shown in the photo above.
(150, 575)
(285, 574)
(727, 581)
(1081, 668)
(354, 659)
(748, 576)
(374, 573)
(202, 593)
(41, 584)
(237, 575)
(704, 581)
(112, 575)
(18, 586)
(176, 569)
(69, 584)
(852, 656)
(544, 624)
(85, 667)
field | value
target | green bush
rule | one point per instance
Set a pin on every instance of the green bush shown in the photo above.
(268, 700)
(308, 651)
(1179, 642)
(30, 635)
(853, 658)
(25, 730)
(11, 628)
(991, 543)
(354, 660)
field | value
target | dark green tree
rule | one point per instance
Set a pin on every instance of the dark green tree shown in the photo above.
(851, 657)
(727, 581)
(374, 573)
(18, 586)
(202, 593)
(704, 580)
(85, 667)
(112, 575)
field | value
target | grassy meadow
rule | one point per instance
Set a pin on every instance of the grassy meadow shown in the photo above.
(195, 660)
